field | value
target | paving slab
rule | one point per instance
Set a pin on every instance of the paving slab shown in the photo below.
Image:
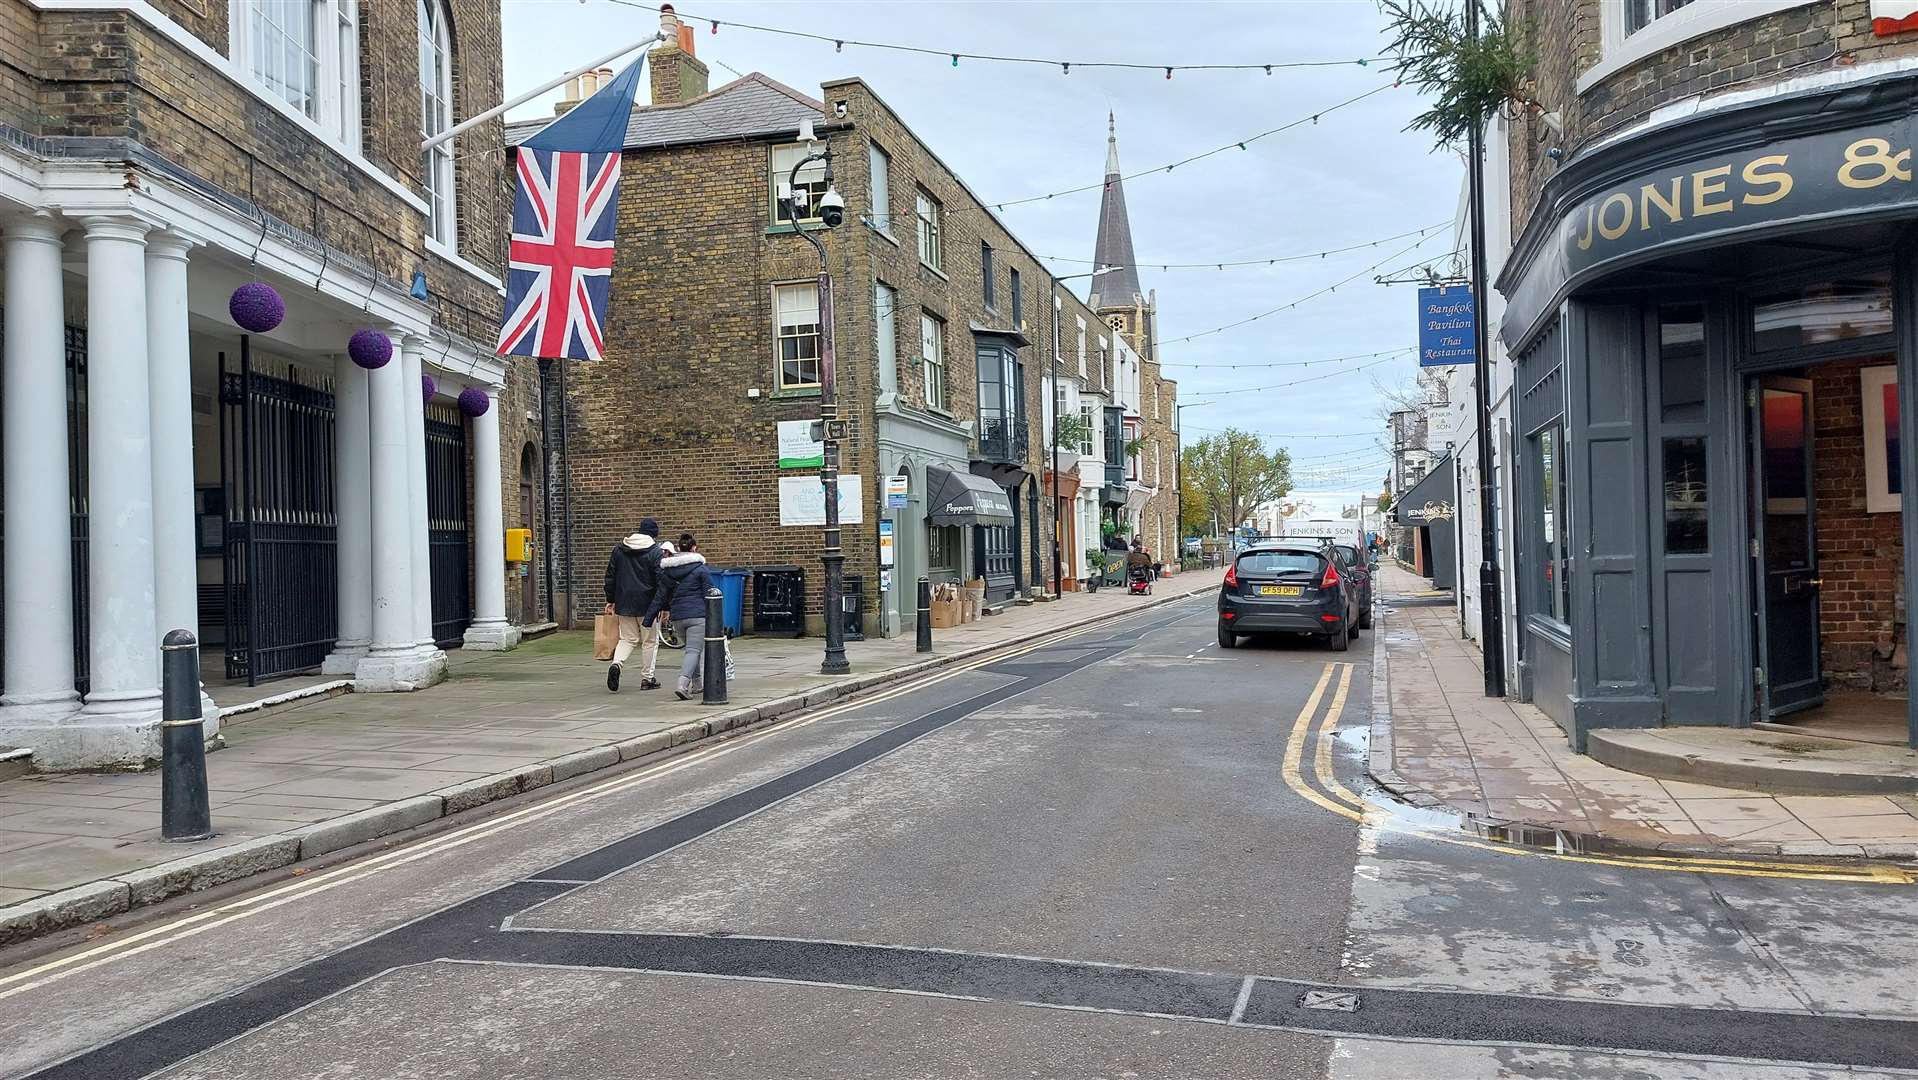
(1439, 742)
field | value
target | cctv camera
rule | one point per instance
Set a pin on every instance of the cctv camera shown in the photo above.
(832, 208)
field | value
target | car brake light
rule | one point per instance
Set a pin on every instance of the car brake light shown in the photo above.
(1331, 576)
(1232, 574)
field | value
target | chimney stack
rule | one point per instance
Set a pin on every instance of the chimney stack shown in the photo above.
(677, 74)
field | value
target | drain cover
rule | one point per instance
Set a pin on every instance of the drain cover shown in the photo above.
(1330, 1001)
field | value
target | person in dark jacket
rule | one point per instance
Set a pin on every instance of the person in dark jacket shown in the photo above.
(683, 583)
(632, 580)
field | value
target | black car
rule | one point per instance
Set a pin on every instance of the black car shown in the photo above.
(1360, 568)
(1295, 586)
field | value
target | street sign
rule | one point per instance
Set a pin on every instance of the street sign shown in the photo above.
(897, 487)
(885, 543)
(1445, 326)
(802, 500)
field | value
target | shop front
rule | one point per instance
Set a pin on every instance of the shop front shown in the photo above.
(1712, 324)
(1429, 512)
(922, 449)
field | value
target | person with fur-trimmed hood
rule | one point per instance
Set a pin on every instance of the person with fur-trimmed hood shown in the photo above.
(683, 584)
(632, 581)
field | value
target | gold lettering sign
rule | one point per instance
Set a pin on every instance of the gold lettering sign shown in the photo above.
(1707, 183)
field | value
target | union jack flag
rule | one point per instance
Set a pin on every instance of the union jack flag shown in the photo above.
(561, 259)
(560, 263)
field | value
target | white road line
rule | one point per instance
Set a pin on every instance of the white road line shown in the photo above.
(1245, 995)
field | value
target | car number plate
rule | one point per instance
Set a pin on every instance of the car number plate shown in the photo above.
(1281, 590)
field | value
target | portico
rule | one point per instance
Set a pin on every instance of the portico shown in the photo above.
(158, 460)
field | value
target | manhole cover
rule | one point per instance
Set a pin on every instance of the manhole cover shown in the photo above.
(1330, 1001)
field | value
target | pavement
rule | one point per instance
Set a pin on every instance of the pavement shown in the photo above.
(327, 771)
(1116, 853)
(1438, 742)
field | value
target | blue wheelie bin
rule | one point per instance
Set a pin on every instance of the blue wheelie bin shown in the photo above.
(732, 585)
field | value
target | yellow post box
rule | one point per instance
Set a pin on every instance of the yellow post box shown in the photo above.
(519, 545)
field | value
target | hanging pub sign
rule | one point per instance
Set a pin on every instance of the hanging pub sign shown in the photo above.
(1445, 326)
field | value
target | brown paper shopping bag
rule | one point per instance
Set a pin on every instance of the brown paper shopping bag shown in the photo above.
(605, 636)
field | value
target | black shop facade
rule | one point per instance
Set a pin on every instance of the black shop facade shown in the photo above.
(1714, 328)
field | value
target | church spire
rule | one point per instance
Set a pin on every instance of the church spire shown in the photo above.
(1113, 246)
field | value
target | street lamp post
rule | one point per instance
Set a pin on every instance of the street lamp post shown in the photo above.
(1491, 605)
(831, 211)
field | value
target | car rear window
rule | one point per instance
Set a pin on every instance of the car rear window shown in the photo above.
(1351, 553)
(1277, 562)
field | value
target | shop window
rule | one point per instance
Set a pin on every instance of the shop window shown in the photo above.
(1841, 310)
(1884, 487)
(1687, 497)
(943, 550)
(1548, 456)
(1681, 355)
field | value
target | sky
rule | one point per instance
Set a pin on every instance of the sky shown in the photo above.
(1017, 130)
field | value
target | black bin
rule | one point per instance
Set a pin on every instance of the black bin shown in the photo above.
(852, 603)
(779, 601)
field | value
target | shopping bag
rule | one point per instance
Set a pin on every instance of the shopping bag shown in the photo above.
(732, 669)
(605, 636)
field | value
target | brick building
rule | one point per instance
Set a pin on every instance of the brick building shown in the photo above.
(164, 470)
(1701, 238)
(942, 320)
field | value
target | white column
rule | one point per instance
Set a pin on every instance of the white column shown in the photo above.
(410, 355)
(176, 557)
(395, 660)
(353, 517)
(38, 560)
(123, 699)
(490, 630)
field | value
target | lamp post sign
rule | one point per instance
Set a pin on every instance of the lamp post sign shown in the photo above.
(1445, 326)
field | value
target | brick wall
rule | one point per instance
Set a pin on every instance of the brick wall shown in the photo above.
(108, 73)
(1566, 38)
(1860, 555)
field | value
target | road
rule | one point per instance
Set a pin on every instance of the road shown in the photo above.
(1117, 853)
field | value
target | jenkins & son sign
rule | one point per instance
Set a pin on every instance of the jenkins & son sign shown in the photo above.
(1792, 183)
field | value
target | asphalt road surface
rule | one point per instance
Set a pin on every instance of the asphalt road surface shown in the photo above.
(1119, 853)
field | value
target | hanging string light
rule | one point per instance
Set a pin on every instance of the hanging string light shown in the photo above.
(1240, 143)
(1271, 261)
(925, 50)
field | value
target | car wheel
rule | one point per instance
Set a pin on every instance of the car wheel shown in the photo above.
(1352, 629)
(1339, 640)
(1365, 617)
(1227, 639)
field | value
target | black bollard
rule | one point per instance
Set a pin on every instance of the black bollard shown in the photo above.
(184, 813)
(715, 659)
(925, 615)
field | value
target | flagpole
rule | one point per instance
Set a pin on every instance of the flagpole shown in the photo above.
(513, 103)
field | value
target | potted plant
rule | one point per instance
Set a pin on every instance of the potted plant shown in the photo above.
(1096, 561)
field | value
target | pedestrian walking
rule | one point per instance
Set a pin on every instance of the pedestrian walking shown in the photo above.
(683, 583)
(632, 581)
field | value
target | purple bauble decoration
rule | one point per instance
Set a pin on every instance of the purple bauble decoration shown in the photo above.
(428, 387)
(256, 307)
(474, 401)
(370, 349)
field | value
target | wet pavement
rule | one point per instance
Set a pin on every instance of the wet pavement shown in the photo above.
(1438, 742)
(1122, 853)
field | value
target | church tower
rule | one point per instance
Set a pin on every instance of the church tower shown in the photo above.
(1116, 296)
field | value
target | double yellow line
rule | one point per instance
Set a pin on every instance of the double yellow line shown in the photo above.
(245, 907)
(1322, 787)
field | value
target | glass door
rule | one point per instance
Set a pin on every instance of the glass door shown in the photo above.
(1786, 552)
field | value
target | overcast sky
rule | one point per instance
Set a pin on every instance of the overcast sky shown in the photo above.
(1013, 131)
